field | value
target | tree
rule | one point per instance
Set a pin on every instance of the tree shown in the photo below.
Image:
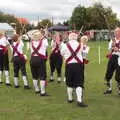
(7, 18)
(22, 25)
(44, 23)
(66, 23)
(95, 17)
(78, 17)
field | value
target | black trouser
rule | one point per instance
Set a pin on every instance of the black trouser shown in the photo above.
(111, 67)
(117, 75)
(56, 63)
(19, 64)
(1, 60)
(38, 68)
(6, 62)
(74, 74)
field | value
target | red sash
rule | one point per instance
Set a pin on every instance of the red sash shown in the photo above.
(4, 48)
(35, 50)
(15, 50)
(109, 55)
(56, 49)
(117, 45)
(73, 54)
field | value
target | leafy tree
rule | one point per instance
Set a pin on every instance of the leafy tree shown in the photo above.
(78, 17)
(44, 23)
(7, 18)
(95, 17)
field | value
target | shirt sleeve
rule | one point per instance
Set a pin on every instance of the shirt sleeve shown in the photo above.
(21, 42)
(62, 48)
(46, 43)
(6, 42)
(52, 43)
(110, 45)
(87, 49)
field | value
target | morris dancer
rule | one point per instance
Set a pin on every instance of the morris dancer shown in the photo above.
(19, 61)
(38, 47)
(56, 58)
(86, 48)
(74, 71)
(114, 46)
(4, 61)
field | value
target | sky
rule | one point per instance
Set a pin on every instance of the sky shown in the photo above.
(59, 10)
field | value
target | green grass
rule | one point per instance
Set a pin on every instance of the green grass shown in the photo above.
(20, 104)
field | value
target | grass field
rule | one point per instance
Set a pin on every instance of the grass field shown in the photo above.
(20, 104)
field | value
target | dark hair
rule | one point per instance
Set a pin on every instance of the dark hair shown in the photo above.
(61, 37)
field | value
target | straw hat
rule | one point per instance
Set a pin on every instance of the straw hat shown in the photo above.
(73, 36)
(36, 35)
(117, 32)
(84, 38)
(2, 32)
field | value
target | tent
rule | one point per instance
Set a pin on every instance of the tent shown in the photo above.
(9, 30)
(58, 28)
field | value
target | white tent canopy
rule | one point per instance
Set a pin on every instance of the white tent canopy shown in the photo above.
(5, 26)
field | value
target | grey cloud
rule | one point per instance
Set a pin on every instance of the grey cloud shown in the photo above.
(58, 9)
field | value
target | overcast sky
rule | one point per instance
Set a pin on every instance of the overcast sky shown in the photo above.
(60, 10)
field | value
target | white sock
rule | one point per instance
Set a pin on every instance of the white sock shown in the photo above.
(110, 87)
(16, 81)
(70, 93)
(42, 86)
(51, 77)
(59, 79)
(0, 76)
(35, 83)
(64, 79)
(25, 81)
(79, 94)
(7, 77)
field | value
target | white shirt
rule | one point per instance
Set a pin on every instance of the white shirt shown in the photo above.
(4, 42)
(43, 48)
(19, 48)
(85, 51)
(110, 47)
(53, 44)
(65, 52)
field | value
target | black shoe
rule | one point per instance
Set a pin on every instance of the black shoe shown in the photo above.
(58, 81)
(51, 80)
(8, 84)
(17, 86)
(70, 101)
(82, 104)
(118, 92)
(37, 92)
(118, 86)
(27, 87)
(108, 92)
(1, 82)
(45, 94)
